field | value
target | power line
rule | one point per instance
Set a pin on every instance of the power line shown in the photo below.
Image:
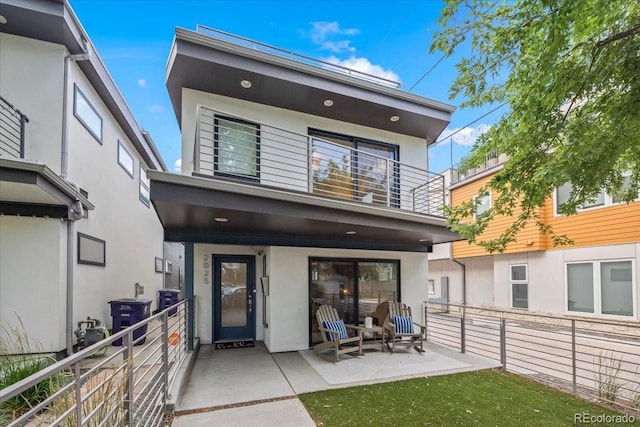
(468, 124)
(427, 73)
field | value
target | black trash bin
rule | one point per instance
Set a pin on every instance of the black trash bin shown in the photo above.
(167, 298)
(127, 312)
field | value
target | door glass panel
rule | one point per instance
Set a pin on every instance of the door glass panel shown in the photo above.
(233, 294)
(373, 173)
(616, 288)
(378, 282)
(332, 284)
(580, 287)
(332, 170)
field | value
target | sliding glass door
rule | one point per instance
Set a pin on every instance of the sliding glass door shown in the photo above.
(354, 287)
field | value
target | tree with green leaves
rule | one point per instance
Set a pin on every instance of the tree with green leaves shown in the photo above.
(568, 73)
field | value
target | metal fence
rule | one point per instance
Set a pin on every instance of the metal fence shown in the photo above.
(591, 358)
(126, 385)
(12, 128)
(229, 146)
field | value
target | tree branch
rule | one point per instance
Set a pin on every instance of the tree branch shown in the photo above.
(618, 36)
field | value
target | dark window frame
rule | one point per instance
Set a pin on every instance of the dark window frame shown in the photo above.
(216, 155)
(77, 91)
(355, 140)
(82, 236)
(356, 295)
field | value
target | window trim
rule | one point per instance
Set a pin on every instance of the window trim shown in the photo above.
(81, 260)
(607, 202)
(597, 289)
(518, 282)
(131, 172)
(475, 210)
(76, 92)
(143, 184)
(216, 154)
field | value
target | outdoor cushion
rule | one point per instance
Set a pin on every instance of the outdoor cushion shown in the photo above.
(338, 326)
(404, 325)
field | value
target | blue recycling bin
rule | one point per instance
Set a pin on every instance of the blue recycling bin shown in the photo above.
(127, 312)
(167, 298)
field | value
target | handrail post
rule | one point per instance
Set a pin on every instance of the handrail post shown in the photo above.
(389, 184)
(196, 143)
(78, 393)
(503, 343)
(463, 321)
(128, 358)
(310, 164)
(165, 354)
(22, 126)
(573, 357)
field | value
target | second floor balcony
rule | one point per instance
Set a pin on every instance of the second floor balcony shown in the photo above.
(228, 147)
(12, 130)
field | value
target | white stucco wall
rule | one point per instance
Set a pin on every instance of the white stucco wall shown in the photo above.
(31, 78)
(132, 231)
(288, 302)
(32, 269)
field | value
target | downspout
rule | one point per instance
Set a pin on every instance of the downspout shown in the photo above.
(73, 216)
(464, 279)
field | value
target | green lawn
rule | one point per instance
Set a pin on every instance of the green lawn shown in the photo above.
(483, 398)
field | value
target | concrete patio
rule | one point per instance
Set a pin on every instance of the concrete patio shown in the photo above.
(252, 387)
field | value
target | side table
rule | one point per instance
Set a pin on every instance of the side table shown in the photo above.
(377, 333)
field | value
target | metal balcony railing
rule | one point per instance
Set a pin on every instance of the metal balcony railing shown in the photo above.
(230, 147)
(12, 127)
(458, 174)
(263, 47)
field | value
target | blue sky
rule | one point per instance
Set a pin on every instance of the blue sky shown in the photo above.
(389, 38)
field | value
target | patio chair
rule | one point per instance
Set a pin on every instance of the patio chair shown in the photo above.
(334, 334)
(401, 329)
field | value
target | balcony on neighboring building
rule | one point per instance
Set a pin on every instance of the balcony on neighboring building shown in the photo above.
(12, 130)
(228, 147)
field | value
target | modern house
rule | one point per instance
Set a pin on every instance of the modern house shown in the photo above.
(74, 192)
(597, 276)
(303, 183)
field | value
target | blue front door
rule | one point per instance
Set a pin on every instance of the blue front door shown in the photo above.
(234, 298)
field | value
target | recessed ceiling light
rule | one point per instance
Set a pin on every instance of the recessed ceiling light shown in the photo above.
(3, 20)
(328, 102)
(423, 240)
(220, 219)
(245, 84)
(351, 232)
(394, 118)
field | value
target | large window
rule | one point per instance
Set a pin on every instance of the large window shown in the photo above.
(237, 148)
(600, 200)
(354, 287)
(601, 287)
(519, 286)
(355, 169)
(86, 114)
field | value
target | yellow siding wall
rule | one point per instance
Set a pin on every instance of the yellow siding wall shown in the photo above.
(598, 226)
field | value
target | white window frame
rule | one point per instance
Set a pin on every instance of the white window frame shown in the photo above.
(608, 202)
(475, 210)
(597, 289)
(518, 282)
(123, 148)
(144, 185)
(85, 121)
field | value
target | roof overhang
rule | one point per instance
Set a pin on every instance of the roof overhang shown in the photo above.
(54, 21)
(32, 189)
(216, 66)
(257, 215)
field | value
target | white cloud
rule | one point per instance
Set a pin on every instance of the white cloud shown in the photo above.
(327, 36)
(157, 108)
(365, 66)
(466, 136)
(142, 83)
(177, 166)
